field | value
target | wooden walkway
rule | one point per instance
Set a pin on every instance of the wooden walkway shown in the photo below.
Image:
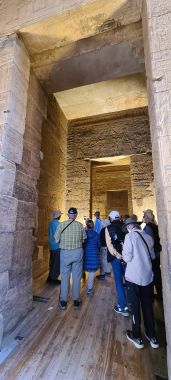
(88, 344)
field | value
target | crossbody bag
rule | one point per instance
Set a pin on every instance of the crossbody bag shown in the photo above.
(67, 226)
(145, 244)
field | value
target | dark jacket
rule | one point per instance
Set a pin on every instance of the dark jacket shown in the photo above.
(152, 230)
(91, 247)
(117, 237)
(102, 237)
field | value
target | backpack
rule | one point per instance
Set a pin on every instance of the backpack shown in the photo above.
(117, 237)
(157, 245)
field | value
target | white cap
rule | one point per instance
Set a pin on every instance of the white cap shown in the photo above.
(114, 214)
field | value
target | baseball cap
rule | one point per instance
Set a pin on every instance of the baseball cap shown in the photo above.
(73, 211)
(114, 214)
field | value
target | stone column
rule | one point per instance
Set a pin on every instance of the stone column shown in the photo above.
(14, 76)
(157, 41)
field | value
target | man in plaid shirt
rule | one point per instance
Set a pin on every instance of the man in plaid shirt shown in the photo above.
(70, 235)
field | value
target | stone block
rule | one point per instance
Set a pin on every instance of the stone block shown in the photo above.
(4, 286)
(4, 77)
(33, 116)
(15, 113)
(6, 248)
(38, 95)
(7, 176)
(16, 305)
(32, 134)
(12, 144)
(8, 213)
(21, 251)
(21, 58)
(20, 278)
(26, 216)
(154, 10)
(7, 46)
(1, 329)
(25, 187)
(18, 85)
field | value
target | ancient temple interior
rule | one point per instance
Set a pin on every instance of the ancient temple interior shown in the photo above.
(85, 116)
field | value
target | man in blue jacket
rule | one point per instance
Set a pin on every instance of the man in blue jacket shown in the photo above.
(54, 264)
(97, 222)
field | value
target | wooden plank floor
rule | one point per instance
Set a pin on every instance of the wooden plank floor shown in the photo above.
(88, 344)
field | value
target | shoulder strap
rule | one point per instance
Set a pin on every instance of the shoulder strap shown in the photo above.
(145, 244)
(67, 226)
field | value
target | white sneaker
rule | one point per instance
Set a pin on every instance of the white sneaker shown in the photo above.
(153, 341)
(89, 291)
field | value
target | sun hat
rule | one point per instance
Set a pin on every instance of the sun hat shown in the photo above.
(56, 214)
(131, 220)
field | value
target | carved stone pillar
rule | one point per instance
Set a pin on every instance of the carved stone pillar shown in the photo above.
(14, 78)
(157, 41)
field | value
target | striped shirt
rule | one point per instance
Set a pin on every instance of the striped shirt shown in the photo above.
(72, 237)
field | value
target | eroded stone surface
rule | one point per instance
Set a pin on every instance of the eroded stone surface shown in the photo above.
(14, 73)
(52, 182)
(94, 138)
(116, 95)
(1, 328)
(109, 179)
(7, 176)
(157, 31)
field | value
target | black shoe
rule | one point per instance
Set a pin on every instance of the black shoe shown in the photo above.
(153, 341)
(108, 274)
(62, 305)
(56, 282)
(101, 277)
(77, 304)
(138, 342)
(53, 282)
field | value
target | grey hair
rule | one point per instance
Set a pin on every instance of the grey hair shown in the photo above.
(131, 227)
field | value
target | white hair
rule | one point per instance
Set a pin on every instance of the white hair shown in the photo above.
(131, 227)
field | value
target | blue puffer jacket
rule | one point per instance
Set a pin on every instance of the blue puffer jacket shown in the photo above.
(91, 261)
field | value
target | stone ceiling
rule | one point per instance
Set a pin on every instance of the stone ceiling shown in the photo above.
(78, 47)
(111, 96)
(88, 43)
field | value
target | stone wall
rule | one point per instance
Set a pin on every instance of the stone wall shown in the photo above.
(52, 182)
(110, 178)
(157, 31)
(117, 135)
(25, 190)
(142, 180)
(14, 78)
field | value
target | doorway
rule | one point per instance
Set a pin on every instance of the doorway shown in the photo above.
(117, 200)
